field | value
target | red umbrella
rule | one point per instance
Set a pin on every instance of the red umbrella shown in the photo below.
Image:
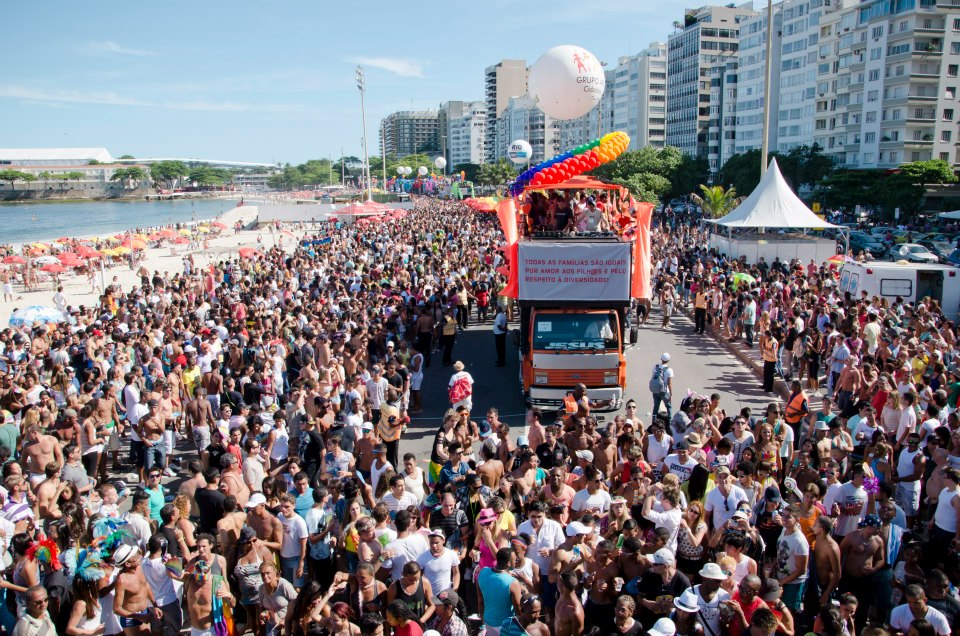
(53, 268)
(67, 256)
(181, 240)
(248, 252)
(15, 260)
(169, 233)
(71, 262)
(218, 224)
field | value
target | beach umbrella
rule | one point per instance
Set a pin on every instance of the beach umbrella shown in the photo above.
(123, 249)
(40, 246)
(203, 230)
(15, 259)
(219, 225)
(46, 260)
(185, 232)
(156, 236)
(181, 240)
(248, 252)
(67, 256)
(63, 239)
(54, 268)
(740, 278)
(168, 232)
(35, 314)
(134, 243)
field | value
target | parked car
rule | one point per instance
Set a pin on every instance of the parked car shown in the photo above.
(882, 229)
(941, 248)
(863, 242)
(913, 253)
(954, 258)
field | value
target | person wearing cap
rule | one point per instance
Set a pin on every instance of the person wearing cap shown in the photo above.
(863, 556)
(661, 386)
(440, 565)
(658, 587)
(723, 501)
(445, 620)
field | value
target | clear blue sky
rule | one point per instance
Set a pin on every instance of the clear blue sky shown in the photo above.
(273, 81)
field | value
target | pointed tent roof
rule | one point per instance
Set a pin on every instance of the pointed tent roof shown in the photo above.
(772, 205)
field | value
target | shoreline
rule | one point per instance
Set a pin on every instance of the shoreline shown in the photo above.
(134, 199)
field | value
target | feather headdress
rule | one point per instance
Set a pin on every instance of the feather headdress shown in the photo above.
(45, 551)
(84, 563)
(109, 533)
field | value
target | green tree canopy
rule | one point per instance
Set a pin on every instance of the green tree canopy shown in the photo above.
(930, 171)
(647, 172)
(496, 174)
(207, 176)
(169, 172)
(126, 157)
(12, 176)
(470, 170)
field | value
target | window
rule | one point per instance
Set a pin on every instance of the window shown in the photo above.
(874, 75)
(876, 54)
(893, 287)
(945, 156)
(871, 117)
(952, 70)
(870, 138)
(896, 114)
(955, 48)
(898, 49)
(947, 114)
(877, 31)
(945, 135)
(956, 24)
(872, 96)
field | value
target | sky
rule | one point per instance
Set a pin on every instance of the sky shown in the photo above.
(274, 81)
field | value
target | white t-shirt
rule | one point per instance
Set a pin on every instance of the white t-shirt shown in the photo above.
(681, 470)
(438, 569)
(394, 504)
(409, 548)
(908, 422)
(598, 502)
(853, 506)
(294, 530)
(901, 617)
(724, 507)
(790, 546)
(670, 520)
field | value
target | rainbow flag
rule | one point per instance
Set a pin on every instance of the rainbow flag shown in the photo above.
(223, 624)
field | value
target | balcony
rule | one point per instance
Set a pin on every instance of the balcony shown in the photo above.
(923, 98)
(948, 4)
(924, 142)
(925, 116)
(931, 50)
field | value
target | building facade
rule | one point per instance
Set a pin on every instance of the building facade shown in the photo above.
(887, 81)
(466, 135)
(408, 132)
(708, 39)
(522, 119)
(501, 82)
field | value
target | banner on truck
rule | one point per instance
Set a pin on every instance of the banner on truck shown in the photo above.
(571, 271)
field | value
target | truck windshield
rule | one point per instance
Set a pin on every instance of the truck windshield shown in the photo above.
(567, 332)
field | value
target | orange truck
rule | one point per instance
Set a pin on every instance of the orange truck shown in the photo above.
(573, 294)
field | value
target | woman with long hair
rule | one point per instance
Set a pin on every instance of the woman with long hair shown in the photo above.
(247, 557)
(690, 539)
(402, 620)
(85, 615)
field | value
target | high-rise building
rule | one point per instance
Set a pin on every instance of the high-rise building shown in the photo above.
(722, 125)
(502, 81)
(887, 81)
(522, 119)
(639, 105)
(751, 81)
(707, 39)
(408, 132)
(466, 134)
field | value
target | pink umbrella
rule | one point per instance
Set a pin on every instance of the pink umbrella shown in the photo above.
(53, 268)
(14, 260)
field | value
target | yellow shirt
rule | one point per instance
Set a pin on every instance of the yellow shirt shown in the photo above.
(449, 326)
(191, 378)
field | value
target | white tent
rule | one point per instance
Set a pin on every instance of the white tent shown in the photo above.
(951, 216)
(772, 205)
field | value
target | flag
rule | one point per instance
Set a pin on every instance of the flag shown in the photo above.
(643, 211)
(507, 213)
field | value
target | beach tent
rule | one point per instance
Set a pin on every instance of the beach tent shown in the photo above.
(950, 216)
(772, 204)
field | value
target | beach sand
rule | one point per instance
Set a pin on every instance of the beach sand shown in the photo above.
(168, 258)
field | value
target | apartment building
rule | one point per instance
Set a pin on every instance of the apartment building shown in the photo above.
(522, 119)
(408, 132)
(466, 134)
(502, 81)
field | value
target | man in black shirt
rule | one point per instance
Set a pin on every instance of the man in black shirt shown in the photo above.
(253, 390)
(657, 588)
(210, 501)
(552, 452)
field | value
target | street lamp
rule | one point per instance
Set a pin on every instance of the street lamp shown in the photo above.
(362, 86)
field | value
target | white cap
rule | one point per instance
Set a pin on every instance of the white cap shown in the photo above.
(576, 528)
(366, 426)
(255, 500)
(663, 556)
(665, 357)
(585, 454)
(663, 627)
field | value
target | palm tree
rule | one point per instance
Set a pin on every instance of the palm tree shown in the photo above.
(716, 201)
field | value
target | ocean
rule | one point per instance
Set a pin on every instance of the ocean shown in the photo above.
(30, 222)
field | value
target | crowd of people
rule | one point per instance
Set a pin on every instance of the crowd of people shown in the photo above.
(261, 405)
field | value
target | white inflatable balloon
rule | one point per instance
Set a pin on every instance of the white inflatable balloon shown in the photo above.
(422, 171)
(566, 82)
(520, 151)
(401, 171)
(440, 163)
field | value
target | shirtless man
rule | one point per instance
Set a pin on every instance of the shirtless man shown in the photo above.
(848, 383)
(231, 479)
(229, 526)
(38, 452)
(605, 453)
(826, 554)
(204, 579)
(602, 592)
(212, 382)
(568, 618)
(48, 492)
(529, 618)
(150, 429)
(863, 555)
(572, 555)
(268, 527)
(424, 331)
(199, 413)
(106, 411)
(133, 601)
(189, 487)
(491, 470)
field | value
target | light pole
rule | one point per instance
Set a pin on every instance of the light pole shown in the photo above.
(362, 85)
(764, 143)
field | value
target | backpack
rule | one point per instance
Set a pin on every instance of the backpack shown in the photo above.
(459, 390)
(657, 384)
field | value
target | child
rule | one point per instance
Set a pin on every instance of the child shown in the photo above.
(110, 500)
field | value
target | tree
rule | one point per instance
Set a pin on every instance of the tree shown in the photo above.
(849, 188)
(647, 172)
(126, 157)
(131, 177)
(688, 176)
(495, 174)
(13, 176)
(742, 171)
(716, 200)
(930, 171)
(169, 172)
(93, 162)
(470, 170)
(207, 176)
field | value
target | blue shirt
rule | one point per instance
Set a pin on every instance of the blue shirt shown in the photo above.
(156, 501)
(448, 472)
(497, 603)
(304, 502)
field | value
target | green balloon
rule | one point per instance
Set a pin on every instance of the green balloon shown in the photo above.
(593, 144)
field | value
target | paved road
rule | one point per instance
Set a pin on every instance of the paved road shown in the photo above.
(700, 364)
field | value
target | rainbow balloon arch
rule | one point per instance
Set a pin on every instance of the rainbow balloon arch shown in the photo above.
(572, 163)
